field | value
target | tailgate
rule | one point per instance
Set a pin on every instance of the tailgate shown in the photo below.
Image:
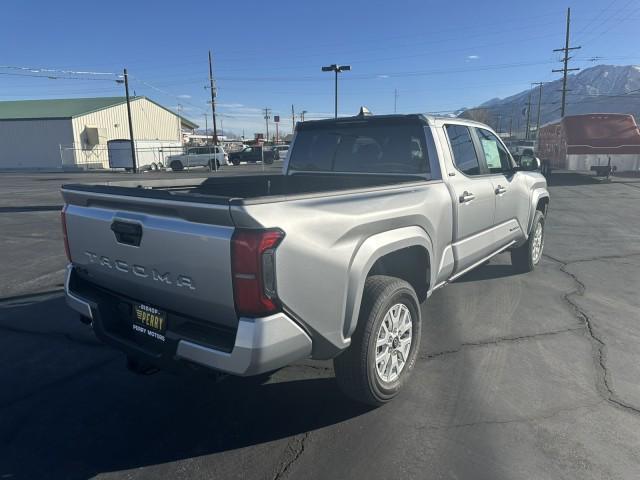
(173, 255)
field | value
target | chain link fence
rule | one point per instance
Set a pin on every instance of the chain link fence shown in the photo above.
(148, 157)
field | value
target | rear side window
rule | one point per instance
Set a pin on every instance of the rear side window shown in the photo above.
(464, 153)
(361, 147)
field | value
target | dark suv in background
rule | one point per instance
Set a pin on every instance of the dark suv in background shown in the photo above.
(253, 154)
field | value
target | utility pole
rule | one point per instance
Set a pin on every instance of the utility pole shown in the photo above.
(213, 100)
(267, 111)
(302, 115)
(539, 103)
(565, 61)
(133, 147)
(526, 134)
(395, 101)
(293, 119)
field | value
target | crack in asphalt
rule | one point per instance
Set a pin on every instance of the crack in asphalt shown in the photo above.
(315, 367)
(591, 259)
(603, 385)
(498, 341)
(533, 418)
(295, 449)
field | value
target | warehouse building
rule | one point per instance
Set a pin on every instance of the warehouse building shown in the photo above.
(73, 133)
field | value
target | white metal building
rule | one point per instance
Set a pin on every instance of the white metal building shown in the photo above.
(73, 133)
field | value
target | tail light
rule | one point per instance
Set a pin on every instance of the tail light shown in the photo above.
(63, 219)
(253, 269)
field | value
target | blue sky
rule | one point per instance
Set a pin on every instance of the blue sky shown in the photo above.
(438, 55)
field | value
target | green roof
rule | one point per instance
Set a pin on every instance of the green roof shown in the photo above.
(65, 108)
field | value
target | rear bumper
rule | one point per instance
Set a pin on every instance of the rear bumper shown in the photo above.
(261, 344)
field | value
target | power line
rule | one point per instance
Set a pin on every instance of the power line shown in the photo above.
(596, 34)
(56, 70)
(57, 77)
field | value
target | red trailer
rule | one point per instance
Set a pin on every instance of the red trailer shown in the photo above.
(591, 142)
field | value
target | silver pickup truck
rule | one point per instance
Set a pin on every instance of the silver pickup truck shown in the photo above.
(330, 260)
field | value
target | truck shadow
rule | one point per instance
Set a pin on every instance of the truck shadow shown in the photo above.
(70, 409)
(572, 179)
(489, 271)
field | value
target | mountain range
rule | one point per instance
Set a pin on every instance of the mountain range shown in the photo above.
(598, 89)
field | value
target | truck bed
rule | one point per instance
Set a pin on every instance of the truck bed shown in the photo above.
(186, 227)
(241, 189)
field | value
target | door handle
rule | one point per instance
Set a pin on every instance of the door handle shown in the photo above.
(466, 197)
(127, 233)
(500, 190)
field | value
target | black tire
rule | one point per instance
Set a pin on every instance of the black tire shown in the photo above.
(524, 258)
(356, 369)
(235, 162)
(176, 166)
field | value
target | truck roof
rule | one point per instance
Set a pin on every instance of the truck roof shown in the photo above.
(423, 118)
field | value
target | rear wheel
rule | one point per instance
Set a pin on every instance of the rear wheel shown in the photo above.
(527, 256)
(384, 346)
(176, 166)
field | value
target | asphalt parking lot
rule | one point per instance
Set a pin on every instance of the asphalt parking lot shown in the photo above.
(520, 376)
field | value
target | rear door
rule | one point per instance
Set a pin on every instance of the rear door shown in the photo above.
(191, 159)
(474, 199)
(509, 187)
(203, 156)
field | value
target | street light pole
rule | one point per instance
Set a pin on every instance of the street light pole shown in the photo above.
(337, 69)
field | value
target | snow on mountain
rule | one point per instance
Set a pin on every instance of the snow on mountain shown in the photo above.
(599, 89)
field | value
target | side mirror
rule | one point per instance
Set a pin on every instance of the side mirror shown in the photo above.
(529, 164)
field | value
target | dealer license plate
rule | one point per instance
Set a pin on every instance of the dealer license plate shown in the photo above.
(149, 321)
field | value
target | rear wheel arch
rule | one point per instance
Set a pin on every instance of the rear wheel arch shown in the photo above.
(411, 264)
(386, 254)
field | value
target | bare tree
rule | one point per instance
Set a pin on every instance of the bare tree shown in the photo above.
(478, 114)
